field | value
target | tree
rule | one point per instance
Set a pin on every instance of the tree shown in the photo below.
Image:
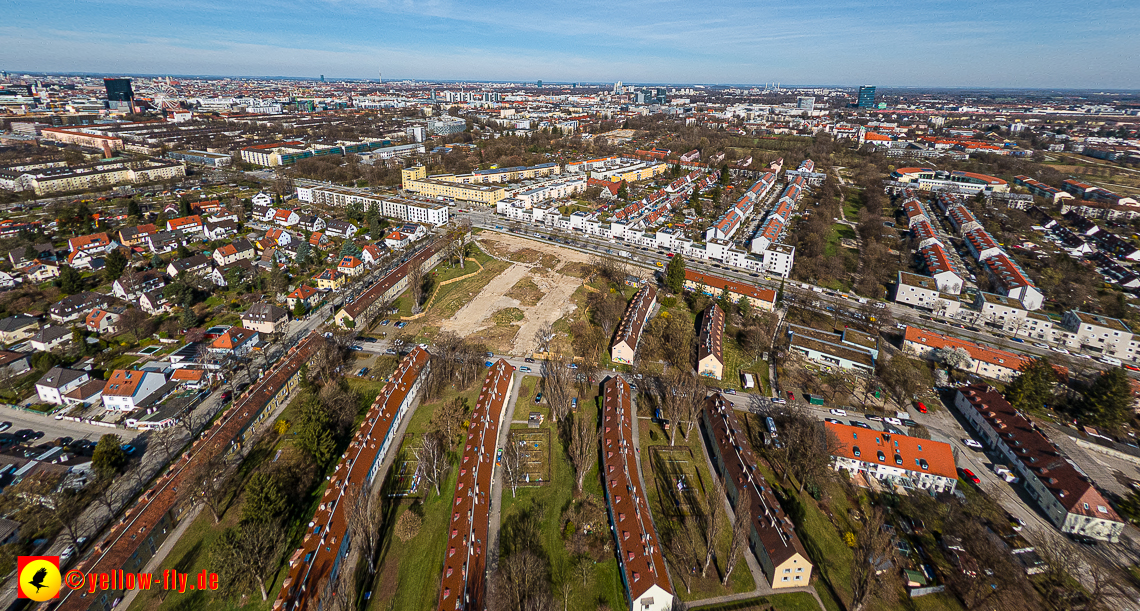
(303, 254)
(188, 318)
(714, 521)
(316, 441)
(954, 358)
(115, 262)
(244, 555)
(416, 283)
(70, 280)
(512, 463)
(686, 544)
(207, 483)
(558, 383)
(1033, 387)
(263, 499)
(298, 308)
(449, 416)
(903, 377)
(365, 519)
(607, 309)
(675, 274)
(741, 530)
(109, 457)
(520, 582)
(583, 447)
(1108, 401)
(133, 210)
(873, 548)
(431, 455)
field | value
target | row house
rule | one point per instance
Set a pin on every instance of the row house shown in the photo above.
(895, 460)
(923, 292)
(984, 361)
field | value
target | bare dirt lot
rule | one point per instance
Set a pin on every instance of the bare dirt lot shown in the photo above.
(538, 265)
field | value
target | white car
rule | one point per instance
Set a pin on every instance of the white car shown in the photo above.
(1040, 345)
(970, 443)
(1059, 350)
(893, 421)
(838, 412)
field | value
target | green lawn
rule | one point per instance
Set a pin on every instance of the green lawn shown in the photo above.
(652, 434)
(603, 586)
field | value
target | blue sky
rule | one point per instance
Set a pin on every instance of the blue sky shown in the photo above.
(962, 43)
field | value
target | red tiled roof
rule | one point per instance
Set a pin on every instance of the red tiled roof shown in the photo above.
(126, 537)
(311, 566)
(939, 456)
(639, 549)
(636, 315)
(977, 352)
(302, 292)
(464, 564)
(738, 288)
(232, 338)
(87, 242)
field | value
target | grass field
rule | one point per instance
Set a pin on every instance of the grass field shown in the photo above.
(535, 447)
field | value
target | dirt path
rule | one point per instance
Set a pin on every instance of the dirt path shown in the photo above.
(550, 308)
(489, 300)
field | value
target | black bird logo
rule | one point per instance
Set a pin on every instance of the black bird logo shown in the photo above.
(37, 581)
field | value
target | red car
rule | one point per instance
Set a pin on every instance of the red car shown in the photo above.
(1132, 367)
(791, 396)
(920, 406)
(969, 476)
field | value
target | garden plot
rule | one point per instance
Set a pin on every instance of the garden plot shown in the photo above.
(678, 480)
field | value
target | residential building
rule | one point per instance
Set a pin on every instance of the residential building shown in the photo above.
(154, 302)
(195, 264)
(1012, 282)
(15, 363)
(772, 536)
(710, 348)
(462, 585)
(1099, 334)
(192, 379)
(376, 299)
(371, 254)
(236, 251)
(126, 389)
(136, 236)
(187, 226)
(849, 349)
(102, 321)
(59, 381)
(132, 285)
(639, 551)
(636, 316)
(236, 342)
(1065, 495)
(1000, 312)
(18, 328)
(219, 230)
(922, 292)
(714, 286)
(76, 307)
(329, 279)
(99, 243)
(350, 266)
(895, 460)
(337, 228)
(265, 318)
(306, 294)
(984, 361)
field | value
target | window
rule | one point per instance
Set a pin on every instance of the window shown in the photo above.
(1086, 505)
(787, 570)
(855, 451)
(855, 435)
(785, 578)
(919, 448)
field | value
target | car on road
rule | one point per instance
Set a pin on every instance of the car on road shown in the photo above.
(833, 420)
(1041, 345)
(893, 421)
(860, 424)
(1015, 522)
(778, 400)
(730, 391)
(1059, 350)
(838, 412)
(909, 422)
(969, 476)
(573, 365)
(529, 360)
(5, 426)
(873, 417)
(1131, 367)
(524, 368)
(66, 554)
(356, 347)
(1018, 340)
(970, 443)
(920, 406)
(490, 355)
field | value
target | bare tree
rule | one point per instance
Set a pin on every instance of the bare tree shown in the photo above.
(741, 530)
(542, 337)
(207, 483)
(365, 519)
(246, 554)
(686, 544)
(607, 309)
(872, 549)
(520, 583)
(431, 455)
(714, 521)
(583, 448)
(448, 418)
(558, 383)
(416, 283)
(512, 464)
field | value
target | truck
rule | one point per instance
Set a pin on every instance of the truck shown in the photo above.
(748, 381)
(1004, 472)
(902, 415)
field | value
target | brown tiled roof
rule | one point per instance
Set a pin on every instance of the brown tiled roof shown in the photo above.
(712, 334)
(773, 527)
(639, 549)
(311, 566)
(739, 288)
(1037, 453)
(938, 455)
(635, 316)
(128, 535)
(362, 303)
(465, 563)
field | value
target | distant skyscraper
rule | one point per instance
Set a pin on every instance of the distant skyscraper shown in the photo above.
(322, 78)
(540, 84)
(866, 97)
(118, 89)
(805, 103)
(617, 87)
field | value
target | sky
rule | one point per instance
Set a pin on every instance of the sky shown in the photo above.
(922, 43)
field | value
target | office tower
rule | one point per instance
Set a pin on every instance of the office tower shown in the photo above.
(540, 84)
(322, 78)
(118, 89)
(805, 103)
(617, 87)
(866, 97)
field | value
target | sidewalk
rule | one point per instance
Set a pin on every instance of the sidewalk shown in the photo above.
(495, 519)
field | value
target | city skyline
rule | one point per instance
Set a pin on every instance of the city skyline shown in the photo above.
(965, 44)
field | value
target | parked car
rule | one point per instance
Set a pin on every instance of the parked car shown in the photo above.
(893, 421)
(523, 368)
(5, 426)
(838, 412)
(730, 391)
(909, 422)
(529, 360)
(969, 476)
(873, 417)
(538, 398)
(920, 406)
(860, 424)
(970, 443)
(401, 324)
(791, 396)
(833, 420)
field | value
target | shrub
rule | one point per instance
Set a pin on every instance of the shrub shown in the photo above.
(408, 526)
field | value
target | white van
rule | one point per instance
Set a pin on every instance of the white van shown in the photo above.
(1108, 360)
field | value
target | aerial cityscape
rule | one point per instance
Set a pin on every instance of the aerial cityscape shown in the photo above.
(570, 307)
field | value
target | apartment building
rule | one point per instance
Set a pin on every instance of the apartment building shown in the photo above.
(126, 389)
(1066, 496)
(895, 460)
(710, 343)
(633, 322)
(923, 292)
(984, 361)
(772, 537)
(714, 286)
(640, 556)
(849, 349)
